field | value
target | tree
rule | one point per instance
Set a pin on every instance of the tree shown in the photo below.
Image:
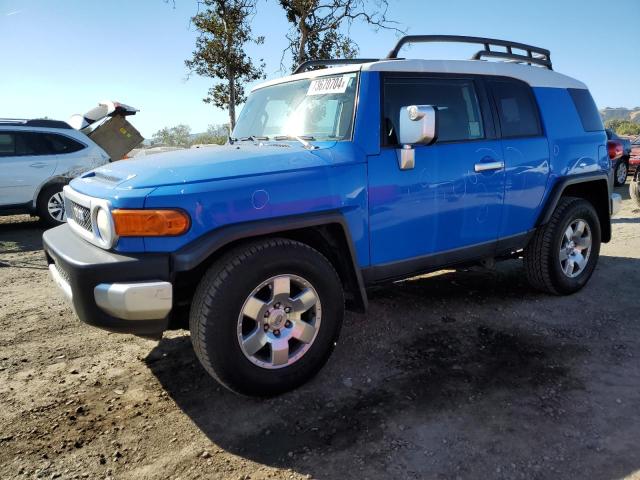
(320, 28)
(217, 134)
(178, 136)
(623, 127)
(219, 54)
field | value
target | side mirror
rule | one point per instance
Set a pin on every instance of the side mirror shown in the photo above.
(418, 125)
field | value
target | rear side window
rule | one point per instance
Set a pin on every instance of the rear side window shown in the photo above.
(587, 110)
(7, 144)
(54, 144)
(459, 117)
(517, 109)
(36, 143)
(27, 143)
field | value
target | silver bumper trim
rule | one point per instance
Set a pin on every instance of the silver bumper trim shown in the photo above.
(616, 203)
(135, 301)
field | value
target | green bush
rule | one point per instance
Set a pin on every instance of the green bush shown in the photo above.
(623, 127)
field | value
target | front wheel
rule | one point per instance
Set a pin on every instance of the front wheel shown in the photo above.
(563, 253)
(266, 316)
(620, 173)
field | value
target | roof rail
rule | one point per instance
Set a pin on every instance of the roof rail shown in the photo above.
(304, 66)
(13, 120)
(534, 55)
(36, 122)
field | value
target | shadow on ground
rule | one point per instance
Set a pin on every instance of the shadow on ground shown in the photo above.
(441, 367)
(623, 190)
(626, 220)
(20, 234)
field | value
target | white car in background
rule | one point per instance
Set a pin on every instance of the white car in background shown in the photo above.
(38, 158)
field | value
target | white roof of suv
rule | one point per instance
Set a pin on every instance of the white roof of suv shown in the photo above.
(518, 60)
(534, 76)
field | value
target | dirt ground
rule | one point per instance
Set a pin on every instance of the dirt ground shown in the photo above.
(467, 374)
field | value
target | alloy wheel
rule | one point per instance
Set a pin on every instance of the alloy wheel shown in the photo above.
(55, 207)
(621, 173)
(279, 321)
(575, 248)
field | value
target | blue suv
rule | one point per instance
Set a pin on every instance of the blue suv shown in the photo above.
(336, 179)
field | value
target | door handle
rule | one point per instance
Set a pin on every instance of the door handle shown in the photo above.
(488, 166)
(38, 165)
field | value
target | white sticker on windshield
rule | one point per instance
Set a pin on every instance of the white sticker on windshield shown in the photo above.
(326, 85)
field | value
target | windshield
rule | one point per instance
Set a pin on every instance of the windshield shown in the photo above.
(318, 108)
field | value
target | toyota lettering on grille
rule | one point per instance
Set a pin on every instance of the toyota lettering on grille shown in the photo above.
(79, 213)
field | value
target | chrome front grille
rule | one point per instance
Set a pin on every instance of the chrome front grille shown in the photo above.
(81, 210)
(81, 215)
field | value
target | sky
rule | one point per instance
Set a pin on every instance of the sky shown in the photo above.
(62, 57)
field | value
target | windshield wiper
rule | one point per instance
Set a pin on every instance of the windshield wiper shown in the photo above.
(301, 138)
(250, 138)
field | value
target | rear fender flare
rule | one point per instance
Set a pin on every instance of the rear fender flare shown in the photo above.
(599, 180)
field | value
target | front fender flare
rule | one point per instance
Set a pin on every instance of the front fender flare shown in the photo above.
(199, 251)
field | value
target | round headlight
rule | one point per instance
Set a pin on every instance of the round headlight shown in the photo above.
(103, 222)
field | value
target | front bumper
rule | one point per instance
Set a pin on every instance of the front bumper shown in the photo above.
(116, 292)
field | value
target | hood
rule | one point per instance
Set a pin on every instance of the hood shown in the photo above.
(205, 164)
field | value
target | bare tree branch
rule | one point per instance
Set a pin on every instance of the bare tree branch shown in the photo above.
(321, 29)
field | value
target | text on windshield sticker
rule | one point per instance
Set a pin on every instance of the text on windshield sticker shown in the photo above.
(324, 86)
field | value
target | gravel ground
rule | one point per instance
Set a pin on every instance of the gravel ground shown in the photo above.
(466, 374)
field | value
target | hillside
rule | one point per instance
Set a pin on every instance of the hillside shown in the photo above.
(630, 114)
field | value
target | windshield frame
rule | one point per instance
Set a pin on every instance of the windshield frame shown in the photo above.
(307, 76)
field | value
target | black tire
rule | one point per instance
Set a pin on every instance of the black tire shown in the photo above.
(542, 254)
(634, 190)
(220, 297)
(47, 194)
(620, 172)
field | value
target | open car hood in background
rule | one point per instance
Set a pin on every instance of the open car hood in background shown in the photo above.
(108, 127)
(105, 109)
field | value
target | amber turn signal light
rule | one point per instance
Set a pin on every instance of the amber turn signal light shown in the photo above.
(150, 223)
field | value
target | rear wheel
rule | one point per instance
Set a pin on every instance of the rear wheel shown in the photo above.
(50, 206)
(265, 318)
(620, 173)
(563, 253)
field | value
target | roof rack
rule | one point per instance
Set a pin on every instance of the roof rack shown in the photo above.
(36, 122)
(534, 55)
(304, 66)
(529, 55)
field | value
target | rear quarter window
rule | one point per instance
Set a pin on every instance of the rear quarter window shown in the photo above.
(53, 144)
(7, 144)
(587, 110)
(517, 108)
